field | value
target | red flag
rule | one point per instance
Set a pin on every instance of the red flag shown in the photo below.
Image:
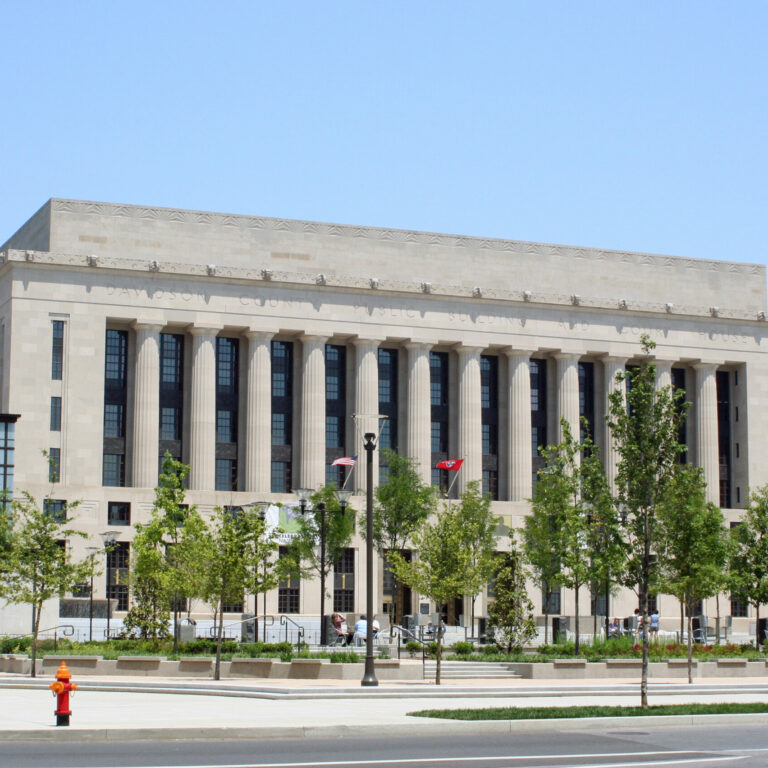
(452, 465)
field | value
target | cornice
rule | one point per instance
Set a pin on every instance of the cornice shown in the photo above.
(270, 277)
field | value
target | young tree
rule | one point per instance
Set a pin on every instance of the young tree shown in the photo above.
(479, 526)
(645, 429)
(37, 565)
(692, 550)
(402, 504)
(323, 536)
(237, 548)
(749, 557)
(510, 615)
(441, 571)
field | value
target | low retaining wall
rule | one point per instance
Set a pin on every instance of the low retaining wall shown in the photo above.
(579, 669)
(202, 667)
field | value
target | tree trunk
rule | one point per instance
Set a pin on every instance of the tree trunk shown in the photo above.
(38, 611)
(546, 621)
(682, 620)
(438, 654)
(217, 667)
(576, 606)
(690, 645)
(757, 626)
(717, 619)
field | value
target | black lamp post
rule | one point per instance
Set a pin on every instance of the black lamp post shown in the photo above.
(369, 676)
(303, 495)
(109, 538)
(91, 556)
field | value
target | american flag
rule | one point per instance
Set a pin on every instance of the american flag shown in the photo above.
(345, 461)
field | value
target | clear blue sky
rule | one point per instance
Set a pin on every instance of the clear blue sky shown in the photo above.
(626, 125)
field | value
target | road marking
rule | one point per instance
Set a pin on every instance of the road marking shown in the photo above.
(511, 759)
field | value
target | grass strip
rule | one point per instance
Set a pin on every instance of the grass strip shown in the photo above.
(545, 713)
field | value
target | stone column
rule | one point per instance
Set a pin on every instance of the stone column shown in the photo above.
(258, 437)
(312, 464)
(470, 435)
(611, 366)
(146, 417)
(419, 431)
(520, 466)
(707, 449)
(202, 423)
(663, 373)
(366, 407)
(567, 381)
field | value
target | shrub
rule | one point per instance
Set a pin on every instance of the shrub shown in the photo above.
(413, 646)
(343, 657)
(204, 646)
(463, 648)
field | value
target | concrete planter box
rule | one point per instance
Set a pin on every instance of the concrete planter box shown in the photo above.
(137, 665)
(195, 665)
(251, 667)
(75, 663)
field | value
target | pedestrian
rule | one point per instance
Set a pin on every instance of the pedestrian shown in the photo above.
(653, 627)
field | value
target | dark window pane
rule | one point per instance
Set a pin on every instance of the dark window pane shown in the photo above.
(54, 465)
(55, 414)
(113, 472)
(56, 508)
(118, 513)
(57, 351)
(226, 475)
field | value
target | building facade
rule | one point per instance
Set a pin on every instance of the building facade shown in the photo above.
(259, 350)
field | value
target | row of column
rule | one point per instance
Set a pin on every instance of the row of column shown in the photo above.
(418, 430)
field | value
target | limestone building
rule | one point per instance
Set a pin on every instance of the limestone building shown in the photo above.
(246, 345)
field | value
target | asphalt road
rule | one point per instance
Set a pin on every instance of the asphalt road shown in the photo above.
(725, 745)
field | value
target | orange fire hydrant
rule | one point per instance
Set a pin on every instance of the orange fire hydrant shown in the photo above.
(61, 689)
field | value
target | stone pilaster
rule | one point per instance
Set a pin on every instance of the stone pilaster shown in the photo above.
(520, 469)
(663, 373)
(258, 437)
(146, 404)
(470, 418)
(366, 407)
(707, 449)
(202, 423)
(419, 431)
(312, 464)
(567, 381)
(611, 367)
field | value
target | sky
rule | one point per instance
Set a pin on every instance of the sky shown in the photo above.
(623, 125)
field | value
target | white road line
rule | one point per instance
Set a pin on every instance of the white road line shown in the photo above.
(511, 759)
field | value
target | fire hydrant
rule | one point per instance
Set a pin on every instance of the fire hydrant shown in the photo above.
(61, 689)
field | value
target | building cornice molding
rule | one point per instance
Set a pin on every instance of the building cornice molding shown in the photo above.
(259, 275)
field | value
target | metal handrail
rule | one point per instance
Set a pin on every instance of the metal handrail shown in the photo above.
(401, 632)
(284, 621)
(65, 633)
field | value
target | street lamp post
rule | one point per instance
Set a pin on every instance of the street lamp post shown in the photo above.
(369, 675)
(303, 495)
(109, 538)
(91, 556)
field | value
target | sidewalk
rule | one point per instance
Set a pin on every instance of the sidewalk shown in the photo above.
(105, 708)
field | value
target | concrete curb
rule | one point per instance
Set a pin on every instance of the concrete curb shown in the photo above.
(414, 727)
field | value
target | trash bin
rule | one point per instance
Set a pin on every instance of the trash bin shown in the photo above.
(186, 630)
(249, 628)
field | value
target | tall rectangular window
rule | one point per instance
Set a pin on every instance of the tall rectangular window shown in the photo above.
(282, 415)
(115, 406)
(227, 375)
(388, 404)
(587, 400)
(54, 465)
(7, 459)
(344, 582)
(57, 350)
(288, 591)
(438, 382)
(335, 411)
(171, 394)
(118, 560)
(724, 436)
(538, 413)
(55, 414)
(678, 383)
(489, 414)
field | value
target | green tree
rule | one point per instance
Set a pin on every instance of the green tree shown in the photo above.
(749, 558)
(693, 547)
(37, 564)
(402, 504)
(510, 615)
(236, 554)
(644, 429)
(320, 541)
(441, 571)
(479, 530)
